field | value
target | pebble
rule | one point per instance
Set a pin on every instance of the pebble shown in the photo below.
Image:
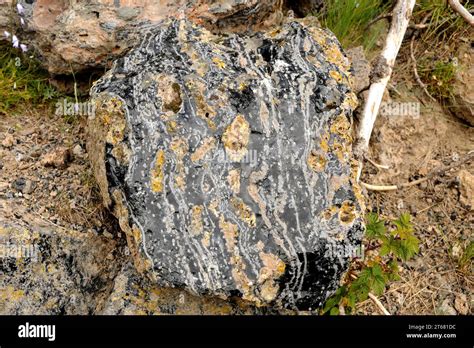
(9, 141)
(78, 151)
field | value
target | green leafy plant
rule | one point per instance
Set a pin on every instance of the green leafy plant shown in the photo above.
(388, 247)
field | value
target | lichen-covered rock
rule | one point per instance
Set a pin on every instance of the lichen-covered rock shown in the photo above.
(227, 160)
(49, 270)
(132, 294)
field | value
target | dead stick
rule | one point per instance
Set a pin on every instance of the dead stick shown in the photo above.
(413, 59)
(435, 172)
(400, 20)
(456, 6)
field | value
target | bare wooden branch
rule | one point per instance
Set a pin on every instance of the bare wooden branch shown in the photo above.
(400, 20)
(456, 6)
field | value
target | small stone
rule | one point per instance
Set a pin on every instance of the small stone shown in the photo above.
(19, 184)
(461, 305)
(466, 189)
(9, 141)
(53, 194)
(446, 308)
(29, 187)
(78, 151)
(107, 234)
(58, 158)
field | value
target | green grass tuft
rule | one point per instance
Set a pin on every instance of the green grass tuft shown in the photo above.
(349, 21)
(22, 81)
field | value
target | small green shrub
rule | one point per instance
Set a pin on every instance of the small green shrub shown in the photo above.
(395, 244)
(439, 77)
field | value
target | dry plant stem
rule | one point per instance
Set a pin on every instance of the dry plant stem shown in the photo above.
(379, 304)
(456, 6)
(400, 20)
(375, 300)
(375, 164)
(435, 172)
(413, 60)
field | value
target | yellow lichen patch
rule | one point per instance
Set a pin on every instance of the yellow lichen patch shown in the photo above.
(329, 212)
(243, 211)
(335, 75)
(236, 138)
(116, 132)
(233, 178)
(157, 173)
(179, 146)
(324, 143)
(316, 161)
(341, 125)
(231, 234)
(273, 268)
(340, 151)
(347, 212)
(350, 101)
(169, 92)
(213, 207)
(171, 126)
(207, 145)
(122, 153)
(203, 109)
(219, 62)
(206, 239)
(9, 293)
(197, 225)
(110, 114)
(335, 56)
(355, 185)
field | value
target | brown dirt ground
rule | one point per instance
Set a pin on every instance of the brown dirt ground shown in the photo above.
(435, 282)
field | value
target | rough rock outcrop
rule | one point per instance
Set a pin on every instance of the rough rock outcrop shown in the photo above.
(227, 160)
(462, 98)
(79, 36)
(46, 269)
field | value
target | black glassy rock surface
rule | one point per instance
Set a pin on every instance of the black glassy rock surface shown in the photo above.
(227, 160)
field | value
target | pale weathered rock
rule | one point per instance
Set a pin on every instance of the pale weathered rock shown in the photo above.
(466, 189)
(78, 36)
(462, 99)
(361, 68)
(227, 160)
(57, 158)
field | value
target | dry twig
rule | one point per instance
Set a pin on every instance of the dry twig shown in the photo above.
(456, 6)
(434, 173)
